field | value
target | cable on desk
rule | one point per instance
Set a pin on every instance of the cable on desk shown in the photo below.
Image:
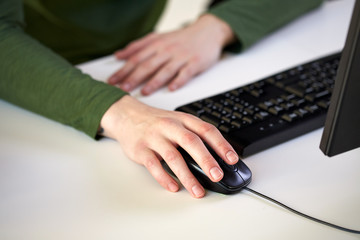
(302, 214)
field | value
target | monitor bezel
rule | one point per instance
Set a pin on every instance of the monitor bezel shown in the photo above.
(342, 126)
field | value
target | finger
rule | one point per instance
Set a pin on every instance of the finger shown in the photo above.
(177, 164)
(153, 165)
(186, 73)
(163, 76)
(195, 147)
(129, 66)
(145, 70)
(212, 136)
(118, 76)
(135, 46)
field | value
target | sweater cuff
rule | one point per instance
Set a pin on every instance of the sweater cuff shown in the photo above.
(106, 97)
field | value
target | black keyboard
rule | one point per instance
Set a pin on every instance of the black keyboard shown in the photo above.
(272, 110)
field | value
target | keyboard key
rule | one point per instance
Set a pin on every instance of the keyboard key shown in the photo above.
(290, 117)
(237, 114)
(236, 124)
(248, 111)
(265, 105)
(276, 110)
(288, 97)
(312, 108)
(192, 110)
(226, 119)
(301, 112)
(287, 106)
(324, 104)
(257, 93)
(216, 114)
(261, 115)
(225, 128)
(211, 119)
(247, 120)
(298, 102)
(312, 97)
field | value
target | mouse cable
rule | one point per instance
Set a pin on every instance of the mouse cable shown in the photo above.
(302, 214)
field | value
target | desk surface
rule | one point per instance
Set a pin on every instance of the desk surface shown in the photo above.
(57, 183)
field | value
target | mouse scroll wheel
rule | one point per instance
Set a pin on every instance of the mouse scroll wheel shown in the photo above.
(230, 167)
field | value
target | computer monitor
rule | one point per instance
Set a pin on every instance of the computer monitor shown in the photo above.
(342, 125)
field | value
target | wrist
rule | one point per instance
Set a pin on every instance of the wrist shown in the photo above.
(222, 31)
(114, 116)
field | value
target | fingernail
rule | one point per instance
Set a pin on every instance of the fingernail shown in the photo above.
(198, 191)
(216, 173)
(147, 90)
(173, 187)
(173, 87)
(232, 157)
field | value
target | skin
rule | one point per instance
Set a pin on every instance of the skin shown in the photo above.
(148, 135)
(173, 58)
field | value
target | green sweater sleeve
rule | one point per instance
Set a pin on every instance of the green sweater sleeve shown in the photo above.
(37, 79)
(251, 20)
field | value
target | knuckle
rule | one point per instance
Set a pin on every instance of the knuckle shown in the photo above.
(150, 163)
(171, 156)
(165, 121)
(188, 116)
(223, 144)
(189, 138)
(206, 128)
(206, 163)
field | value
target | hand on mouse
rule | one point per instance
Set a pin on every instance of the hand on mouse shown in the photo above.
(147, 135)
(172, 58)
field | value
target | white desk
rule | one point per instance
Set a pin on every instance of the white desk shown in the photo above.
(57, 183)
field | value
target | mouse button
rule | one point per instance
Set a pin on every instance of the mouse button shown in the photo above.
(244, 171)
(225, 166)
(232, 179)
(233, 182)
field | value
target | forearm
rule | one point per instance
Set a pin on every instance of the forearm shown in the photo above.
(252, 20)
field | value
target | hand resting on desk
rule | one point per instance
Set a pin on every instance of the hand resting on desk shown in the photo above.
(148, 135)
(172, 58)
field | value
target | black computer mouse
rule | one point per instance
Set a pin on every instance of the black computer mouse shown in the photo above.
(235, 176)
